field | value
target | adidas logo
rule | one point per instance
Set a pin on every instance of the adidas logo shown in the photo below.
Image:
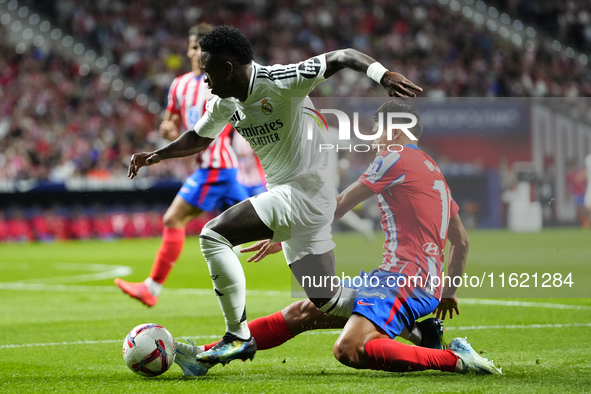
(237, 116)
(310, 68)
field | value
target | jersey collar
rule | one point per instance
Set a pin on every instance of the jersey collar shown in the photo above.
(253, 77)
(411, 146)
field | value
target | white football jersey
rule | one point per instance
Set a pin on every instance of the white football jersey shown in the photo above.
(274, 125)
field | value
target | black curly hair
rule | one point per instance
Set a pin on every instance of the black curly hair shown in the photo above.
(228, 41)
(401, 106)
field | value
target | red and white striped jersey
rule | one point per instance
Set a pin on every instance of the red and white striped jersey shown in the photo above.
(416, 206)
(187, 97)
(250, 170)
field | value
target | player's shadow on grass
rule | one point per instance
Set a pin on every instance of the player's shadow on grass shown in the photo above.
(318, 375)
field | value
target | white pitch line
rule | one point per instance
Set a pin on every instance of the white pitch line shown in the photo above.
(318, 332)
(268, 293)
(523, 304)
(517, 326)
(59, 344)
(67, 288)
(87, 342)
(101, 271)
(114, 289)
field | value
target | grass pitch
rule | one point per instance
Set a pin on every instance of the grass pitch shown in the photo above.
(63, 321)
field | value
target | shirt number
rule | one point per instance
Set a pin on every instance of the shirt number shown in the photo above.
(439, 185)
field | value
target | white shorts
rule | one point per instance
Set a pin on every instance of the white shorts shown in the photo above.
(300, 215)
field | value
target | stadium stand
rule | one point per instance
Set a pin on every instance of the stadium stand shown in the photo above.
(61, 121)
(568, 21)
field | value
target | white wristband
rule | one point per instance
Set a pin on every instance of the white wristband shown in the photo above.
(376, 71)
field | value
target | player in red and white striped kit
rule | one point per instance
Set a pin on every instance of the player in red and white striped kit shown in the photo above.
(250, 170)
(211, 188)
(418, 216)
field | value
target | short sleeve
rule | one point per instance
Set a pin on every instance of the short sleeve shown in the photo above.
(173, 105)
(454, 208)
(302, 77)
(386, 170)
(214, 120)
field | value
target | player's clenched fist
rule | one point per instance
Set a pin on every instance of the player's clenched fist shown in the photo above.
(397, 85)
(140, 160)
(170, 129)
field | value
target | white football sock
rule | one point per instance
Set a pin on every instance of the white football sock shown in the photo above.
(413, 335)
(341, 304)
(228, 279)
(154, 287)
(236, 249)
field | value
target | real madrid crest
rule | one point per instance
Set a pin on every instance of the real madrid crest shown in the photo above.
(266, 107)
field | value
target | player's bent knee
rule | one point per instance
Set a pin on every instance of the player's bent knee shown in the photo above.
(171, 219)
(349, 352)
(217, 227)
(212, 224)
(212, 242)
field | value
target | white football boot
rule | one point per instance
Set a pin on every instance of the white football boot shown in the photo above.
(470, 361)
(185, 358)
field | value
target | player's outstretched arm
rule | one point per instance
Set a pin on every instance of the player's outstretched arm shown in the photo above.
(396, 85)
(458, 254)
(187, 144)
(352, 196)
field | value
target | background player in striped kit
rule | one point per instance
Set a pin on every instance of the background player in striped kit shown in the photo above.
(250, 171)
(212, 187)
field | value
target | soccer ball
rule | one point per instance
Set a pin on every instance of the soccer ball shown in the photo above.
(149, 350)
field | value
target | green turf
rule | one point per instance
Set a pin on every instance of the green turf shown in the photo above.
(537, 359)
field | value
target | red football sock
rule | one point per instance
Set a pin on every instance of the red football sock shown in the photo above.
(173, 240)
(389, 355)
(268, 332)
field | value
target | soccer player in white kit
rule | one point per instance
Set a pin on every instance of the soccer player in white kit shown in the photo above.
(264, 104)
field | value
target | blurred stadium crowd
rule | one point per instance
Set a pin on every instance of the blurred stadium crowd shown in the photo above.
(59, 121)
(59, 224)
(424, 40)
(568, 21)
